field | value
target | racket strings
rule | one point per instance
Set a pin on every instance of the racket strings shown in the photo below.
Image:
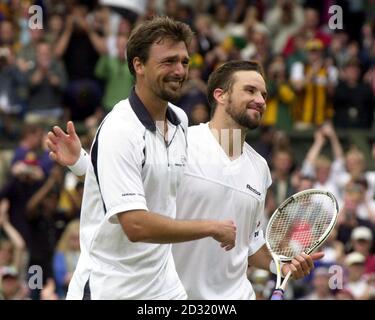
(297, 226)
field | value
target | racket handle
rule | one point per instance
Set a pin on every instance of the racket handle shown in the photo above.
(277, 294)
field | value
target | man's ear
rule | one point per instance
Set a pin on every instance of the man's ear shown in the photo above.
(138, 66)
(220, 96)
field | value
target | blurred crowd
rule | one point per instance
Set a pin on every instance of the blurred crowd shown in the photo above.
(75, 68)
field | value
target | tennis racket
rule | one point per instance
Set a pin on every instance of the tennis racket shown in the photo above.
(300, 224)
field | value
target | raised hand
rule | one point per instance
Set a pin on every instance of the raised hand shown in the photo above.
(64, 147)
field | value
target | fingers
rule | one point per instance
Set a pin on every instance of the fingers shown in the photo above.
(70, 129)
(309, 261)
(317, 255)
(52, 137)
(51, 145)
(53, 156)
(226, 234)
(302, 264)
(58, 132)
(296, 268)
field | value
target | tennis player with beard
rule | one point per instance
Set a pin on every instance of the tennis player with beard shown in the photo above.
(224, 179)
(136, 164)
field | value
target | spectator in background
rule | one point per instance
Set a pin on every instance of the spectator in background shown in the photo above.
(12, 245)
(354, 103)
(47, 223)
(47, 81)
(26, 178)
(283, 21)
(310, 30)
(123, 30)
(320, 167)
(55, 28)
(203, 33)
(29, 166)
(320, 286)
(338, 48)
(115, 73)
(357, 284)
(26, 57)
(12, 287)
(256, 37)
(344, 294)
(355, 163)
(71, 199)
(79, 46)
(259, 37)
(354, 211)
(264, 145)
(222, 27)
(12, 92)
(8, 36)
(282, 186)
(280, 96)
(66, 257)
(334, 250)
(314, 83)
(30, 149)
(194, 91)
(362, 242)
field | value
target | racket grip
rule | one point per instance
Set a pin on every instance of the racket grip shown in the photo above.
(277, 294)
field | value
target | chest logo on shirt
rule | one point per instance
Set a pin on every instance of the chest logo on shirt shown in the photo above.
(253, 190)
(182, 162)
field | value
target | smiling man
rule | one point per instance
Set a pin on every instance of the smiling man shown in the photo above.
(137, 161)
(224, 179)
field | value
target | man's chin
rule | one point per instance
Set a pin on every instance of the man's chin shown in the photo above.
(171, 96)
(251, 123)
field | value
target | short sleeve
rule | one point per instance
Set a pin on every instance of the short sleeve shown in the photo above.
(119, 154)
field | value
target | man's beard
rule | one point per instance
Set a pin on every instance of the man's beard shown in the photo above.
(241, 117)
(170, 95)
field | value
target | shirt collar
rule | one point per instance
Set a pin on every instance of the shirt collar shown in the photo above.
(143, 114)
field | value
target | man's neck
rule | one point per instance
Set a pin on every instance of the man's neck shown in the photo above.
(229, 134)
(154, 105)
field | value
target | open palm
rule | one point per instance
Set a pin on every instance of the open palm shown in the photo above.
(64, 147)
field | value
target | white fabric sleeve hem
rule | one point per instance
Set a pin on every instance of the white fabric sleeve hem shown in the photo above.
(111, 215)
(79, 168)
(256, 244)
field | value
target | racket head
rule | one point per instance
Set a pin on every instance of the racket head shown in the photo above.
(301, 223)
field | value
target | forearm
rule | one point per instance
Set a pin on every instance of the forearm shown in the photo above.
(98, 42)
(62, 43)
(37, 198)
(14, 236)
(261, 259)
(314, 151)
(336, 147)
(143, 226)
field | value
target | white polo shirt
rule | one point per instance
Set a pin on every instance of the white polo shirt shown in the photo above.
(214, 187)
(131, 168)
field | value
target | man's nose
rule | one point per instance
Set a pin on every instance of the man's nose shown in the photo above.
(259, 99)
(180, 69)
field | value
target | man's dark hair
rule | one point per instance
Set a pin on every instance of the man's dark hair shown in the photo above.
(153, 31)
(223, 77)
